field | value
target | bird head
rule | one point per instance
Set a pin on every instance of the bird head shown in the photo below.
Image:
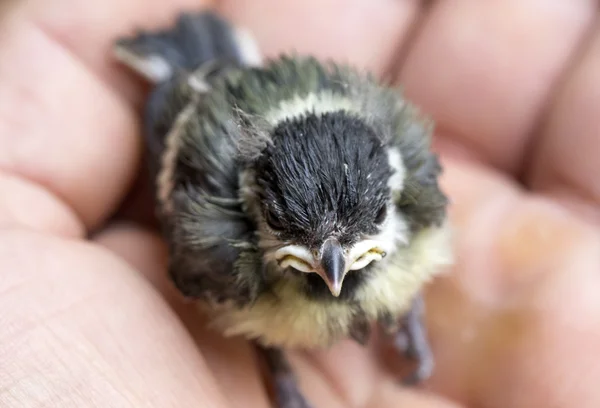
(321, 191)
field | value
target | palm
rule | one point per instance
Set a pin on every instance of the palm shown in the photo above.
(517, 323)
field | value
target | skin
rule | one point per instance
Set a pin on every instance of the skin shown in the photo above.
(88, 317)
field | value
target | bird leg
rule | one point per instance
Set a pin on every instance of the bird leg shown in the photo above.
(287, 392)
(410, 339)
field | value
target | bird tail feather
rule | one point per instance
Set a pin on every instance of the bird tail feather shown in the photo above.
(194, 40)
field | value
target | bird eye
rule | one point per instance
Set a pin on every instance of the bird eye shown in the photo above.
(273, 221)
(381, 214)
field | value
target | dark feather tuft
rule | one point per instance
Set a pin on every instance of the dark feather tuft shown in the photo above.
(324, 175)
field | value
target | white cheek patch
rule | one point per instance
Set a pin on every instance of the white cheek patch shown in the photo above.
(395, 231)
(394, 234)
(396, 182)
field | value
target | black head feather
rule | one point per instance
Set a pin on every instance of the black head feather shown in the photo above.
(323, 175)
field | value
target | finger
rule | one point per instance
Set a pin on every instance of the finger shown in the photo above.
(59, 127)
(484, 70)
(85, 329)
(566, 164)
(355, 373)
(27, 205)
(341, 365)
(315, 386)
(544, 343)
(7, 6)
(93, 131)
(366, 34)
(88, 29)
(521, 262)
(231, 361)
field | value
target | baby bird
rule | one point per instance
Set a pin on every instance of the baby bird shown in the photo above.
(299, 198)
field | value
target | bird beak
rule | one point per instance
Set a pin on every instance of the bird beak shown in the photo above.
(332, 262)
(332, 268)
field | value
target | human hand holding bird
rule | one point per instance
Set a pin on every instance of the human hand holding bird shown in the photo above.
(483, 301)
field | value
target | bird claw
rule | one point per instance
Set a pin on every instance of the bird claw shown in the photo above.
(424, 370)
(288, 395)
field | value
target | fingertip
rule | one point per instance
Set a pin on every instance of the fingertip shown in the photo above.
(109, 20)
(27, 205)
(564, 162)
(524, 264)
(75, 138)
(489, 90)
(365, 34)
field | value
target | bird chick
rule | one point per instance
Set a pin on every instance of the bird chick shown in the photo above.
(299, 198)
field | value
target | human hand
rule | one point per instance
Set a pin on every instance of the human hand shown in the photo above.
(88, 315)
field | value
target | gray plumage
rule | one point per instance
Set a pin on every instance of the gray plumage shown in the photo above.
(221, 129)
(315, 158)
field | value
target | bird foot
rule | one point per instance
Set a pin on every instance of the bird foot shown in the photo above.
(410, 339)
(287, 393)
